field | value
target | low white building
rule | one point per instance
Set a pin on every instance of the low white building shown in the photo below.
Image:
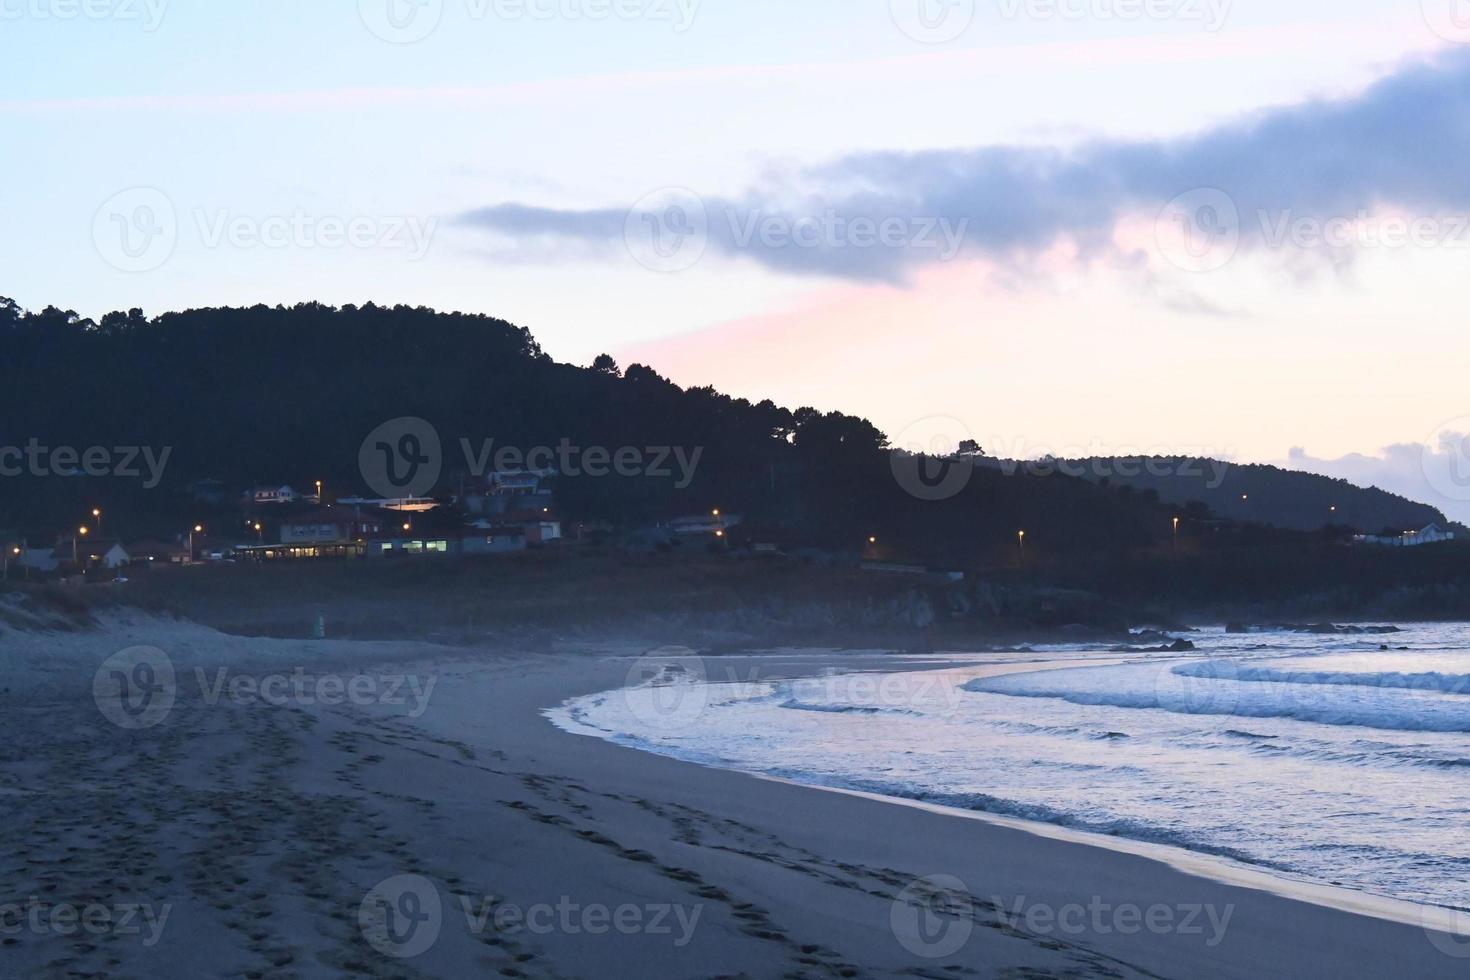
(1432, 534)
(261, 496)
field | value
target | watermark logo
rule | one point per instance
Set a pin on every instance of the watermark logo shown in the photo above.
(410, 691)
(569, 917)
(1203, 230)
(146, 13)
(927, 458)
(135, 688)
(1448, 930)
(401, 458)
(1199, 231)
(402, 916)
(674, 463)
(1445, 459)
(933, 917)
(1211, 687)
(933, 21)
(831, 230)
(667, 689)
(123, 462)
(1099, 917)
(1450, 19)
(401, 21)
(136, 230)
(302, 230)
(667, 230)
(40, 917)
(1209, 14)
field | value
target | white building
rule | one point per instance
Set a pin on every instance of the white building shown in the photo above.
(1433, 534)
(271, 495)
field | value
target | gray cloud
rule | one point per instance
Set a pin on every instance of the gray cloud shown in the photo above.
(1402, 142)
(1435, 473)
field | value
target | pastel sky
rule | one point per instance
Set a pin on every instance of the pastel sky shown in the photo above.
(1230, 226)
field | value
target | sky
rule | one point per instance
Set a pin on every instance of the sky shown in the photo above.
(1232, 227)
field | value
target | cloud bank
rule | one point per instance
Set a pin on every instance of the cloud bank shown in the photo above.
(1435, 473)
(1399, 145)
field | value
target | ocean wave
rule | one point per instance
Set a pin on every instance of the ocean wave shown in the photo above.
(1427, 681)
(1215, 687)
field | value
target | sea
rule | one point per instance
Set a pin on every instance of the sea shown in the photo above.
(1340, 757)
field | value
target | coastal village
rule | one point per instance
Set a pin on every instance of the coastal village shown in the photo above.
(505, 513)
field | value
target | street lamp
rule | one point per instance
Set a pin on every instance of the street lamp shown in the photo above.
(1176, 532)
(259, 538)
(1021, 537)
(76, 544)
(15, 550)
(196, 529)
(97, 516)
(319, 491)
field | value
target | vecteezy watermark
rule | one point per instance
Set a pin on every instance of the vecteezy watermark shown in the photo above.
(410, 21)
(926, 458)
(121, 462)
(1099, 917)
(1204, 229)
(135, 688)
(930, 692)
(568, 917)
(1100, 461)
(1450, 19)
(1209, 14)
(1445, 459)
(830, 229)
(401, 458)
(411, 691)
(666, 689)
(138, 230)
(1447, 929)
(933, 917)
(1209, 687)
(300, 229)
(45, 917)
(933, 21)
(404, 457)
(667, 230)
(148, 14)
(568, 459)
(404, 916)
(1199, 231)
(671, 229)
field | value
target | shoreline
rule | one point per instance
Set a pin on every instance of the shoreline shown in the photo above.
(1217, 867)
(269, 827)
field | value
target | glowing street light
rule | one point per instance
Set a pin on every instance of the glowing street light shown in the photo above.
(1176, 532)
(196, 529)
(97, 517)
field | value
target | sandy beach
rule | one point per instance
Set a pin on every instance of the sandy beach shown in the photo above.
(287, 808)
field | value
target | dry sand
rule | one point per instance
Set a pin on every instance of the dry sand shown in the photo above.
(302, 829)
